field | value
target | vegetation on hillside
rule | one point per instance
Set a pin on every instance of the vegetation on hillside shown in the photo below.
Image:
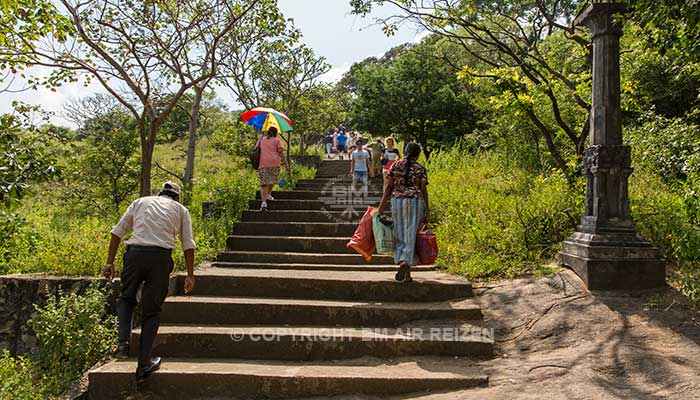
(498, 94)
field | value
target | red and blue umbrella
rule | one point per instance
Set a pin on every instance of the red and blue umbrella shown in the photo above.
(263, 118)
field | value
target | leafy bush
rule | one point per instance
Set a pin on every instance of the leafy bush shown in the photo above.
(670, 219)
(497, 221)
(671, 147)
(105, 171)
(17, 380)
(48, 239)
(74, 332)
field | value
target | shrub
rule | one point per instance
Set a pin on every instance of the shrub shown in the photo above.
(74, 332)
(498, 221)
(670, 219)
(671, 147)
(17, 380)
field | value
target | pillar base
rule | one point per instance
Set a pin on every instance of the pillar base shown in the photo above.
(613, 261)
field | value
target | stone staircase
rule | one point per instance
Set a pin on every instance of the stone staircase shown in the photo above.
(287, 311)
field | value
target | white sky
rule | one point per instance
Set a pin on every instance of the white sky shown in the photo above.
(327, 27)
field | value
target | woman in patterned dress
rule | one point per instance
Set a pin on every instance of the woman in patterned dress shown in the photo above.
(406, 185)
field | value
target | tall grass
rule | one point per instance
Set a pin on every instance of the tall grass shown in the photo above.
(43, 235)
(496, 221)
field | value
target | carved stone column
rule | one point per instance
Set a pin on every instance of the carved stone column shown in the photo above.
(606, 251)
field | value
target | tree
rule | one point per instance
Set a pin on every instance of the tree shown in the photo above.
(81, 111)
(277, 76)
(23, 23)
(209, 24)
(105, 172)
(23, 156)
(415, 97)
(506, 42)
(124, 45)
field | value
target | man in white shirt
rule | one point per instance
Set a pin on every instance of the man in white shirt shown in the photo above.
(155, 222)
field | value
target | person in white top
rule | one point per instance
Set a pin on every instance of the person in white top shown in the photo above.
(155, 222)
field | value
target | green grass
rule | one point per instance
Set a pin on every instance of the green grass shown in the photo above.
(49, 236)
(495, 221)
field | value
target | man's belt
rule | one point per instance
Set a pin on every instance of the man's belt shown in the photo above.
(151, 249)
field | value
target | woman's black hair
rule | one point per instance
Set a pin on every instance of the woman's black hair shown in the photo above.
(272, 132)
(412, 152)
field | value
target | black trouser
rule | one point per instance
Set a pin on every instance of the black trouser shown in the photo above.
(152, 267)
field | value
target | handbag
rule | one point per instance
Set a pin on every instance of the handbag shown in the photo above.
(255, 156)
(383, 234)
(426, 246)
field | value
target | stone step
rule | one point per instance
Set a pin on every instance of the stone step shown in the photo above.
(428, 286)
(293, 343)
(295, 244)
(343, 176)
(317, 267)
(270, 311)
(185, 379)
(304, 216)
(334, 192)
(301, 258)
(325, 229)
(333, 204)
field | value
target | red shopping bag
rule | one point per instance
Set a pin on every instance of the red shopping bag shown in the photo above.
(363, 238)
(426, 246)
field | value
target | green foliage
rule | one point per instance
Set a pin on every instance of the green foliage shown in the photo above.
(435, 108)
(493, 220)
(17, 380)
(74, 332)
(671, 26)
(105, 172)
(23, 24)
(670, 219)
(670, 147)
(22, 157)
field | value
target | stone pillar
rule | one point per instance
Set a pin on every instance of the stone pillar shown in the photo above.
(605, 251)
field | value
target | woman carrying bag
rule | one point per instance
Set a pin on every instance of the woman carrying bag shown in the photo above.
(406, 186)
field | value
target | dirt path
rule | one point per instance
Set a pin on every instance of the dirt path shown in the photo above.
(555, 340)
(558, 341)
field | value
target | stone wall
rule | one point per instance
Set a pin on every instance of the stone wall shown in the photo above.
(19, 294)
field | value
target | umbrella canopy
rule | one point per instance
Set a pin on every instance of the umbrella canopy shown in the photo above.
(263, 118)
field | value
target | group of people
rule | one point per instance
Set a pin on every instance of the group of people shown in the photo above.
(341, 142)
(155, 221)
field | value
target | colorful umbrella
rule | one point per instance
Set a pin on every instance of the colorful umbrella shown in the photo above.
(263, 118)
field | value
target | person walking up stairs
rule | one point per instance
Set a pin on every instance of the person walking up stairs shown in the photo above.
(288, 311)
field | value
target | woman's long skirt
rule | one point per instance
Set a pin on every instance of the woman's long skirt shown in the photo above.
(408, 214)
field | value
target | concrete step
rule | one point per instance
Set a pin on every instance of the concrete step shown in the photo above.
(293, 343)
(185, 379)
(333, 204)
(317, 267)
(326, 163)
(295, 244)
(345, 192)
(324, 229)
(428, 286)
(304, 216)
(267, 311)
(301, 258)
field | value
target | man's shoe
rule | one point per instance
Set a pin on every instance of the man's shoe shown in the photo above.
(122, 352)
(142, 372)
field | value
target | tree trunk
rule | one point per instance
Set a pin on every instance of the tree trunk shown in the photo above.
(192, 140)
(289, 146)
(146, 166)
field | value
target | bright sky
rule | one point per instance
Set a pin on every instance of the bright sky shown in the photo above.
(327, 27)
